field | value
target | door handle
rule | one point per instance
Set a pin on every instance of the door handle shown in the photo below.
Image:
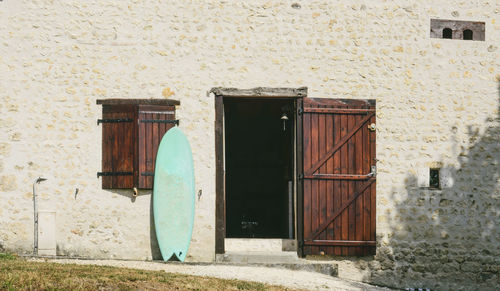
(373, 172)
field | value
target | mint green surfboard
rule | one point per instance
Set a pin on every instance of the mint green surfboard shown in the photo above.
(173, 195)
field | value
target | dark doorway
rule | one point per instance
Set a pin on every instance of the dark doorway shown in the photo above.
(259, 167)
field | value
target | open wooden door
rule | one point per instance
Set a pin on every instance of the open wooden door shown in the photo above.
(336, 165)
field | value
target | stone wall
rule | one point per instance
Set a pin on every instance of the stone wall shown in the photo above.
(437, 104)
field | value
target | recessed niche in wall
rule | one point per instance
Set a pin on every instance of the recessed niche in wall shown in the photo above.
(434, 182)
(457, 29)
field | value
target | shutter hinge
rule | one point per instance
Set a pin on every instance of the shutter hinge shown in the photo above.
(99, 174)
(159, 121)
(301, 176)
(114, 120)
(149, 174)
(300, 111)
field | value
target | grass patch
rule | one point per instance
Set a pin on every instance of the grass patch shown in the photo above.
(20, 274)
(4, 256)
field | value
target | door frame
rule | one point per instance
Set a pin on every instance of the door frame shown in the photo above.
(220, 202)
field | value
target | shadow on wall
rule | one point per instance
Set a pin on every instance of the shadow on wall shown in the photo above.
(447, 238)
(155, 248)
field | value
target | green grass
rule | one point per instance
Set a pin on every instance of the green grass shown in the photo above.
(7, 257)
(20, 274)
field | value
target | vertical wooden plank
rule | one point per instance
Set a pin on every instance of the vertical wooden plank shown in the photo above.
(307, 182)
(315, 212)
(107, 149)
(127, 150)
(366, 195)
(142, 151)
(115, 149)
(149, 150)
(161, 128)
(322, 197)
(135, 141)
(329, 170)
(373, 186)
(344, 184)
(358, 149)
(337, 193)
(118, 160)
(155, 143)
(351, 184)
(220, 225)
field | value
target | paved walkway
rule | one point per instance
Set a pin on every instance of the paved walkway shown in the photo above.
(294, 279)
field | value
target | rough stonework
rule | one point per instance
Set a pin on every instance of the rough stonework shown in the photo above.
(437, 104)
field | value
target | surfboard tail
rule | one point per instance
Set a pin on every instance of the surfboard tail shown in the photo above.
(175, 256)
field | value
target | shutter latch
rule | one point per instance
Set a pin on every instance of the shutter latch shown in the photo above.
(373, 172)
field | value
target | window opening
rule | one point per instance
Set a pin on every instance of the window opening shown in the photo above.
(468, 34)
(447, 33)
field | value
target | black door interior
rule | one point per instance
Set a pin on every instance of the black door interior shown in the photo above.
(259, 165)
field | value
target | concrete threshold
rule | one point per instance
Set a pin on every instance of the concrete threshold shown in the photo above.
(259, 245)
(274, 259)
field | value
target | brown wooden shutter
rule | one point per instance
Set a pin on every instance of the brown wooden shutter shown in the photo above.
(118, 138)
(338, 178)
(154, 122)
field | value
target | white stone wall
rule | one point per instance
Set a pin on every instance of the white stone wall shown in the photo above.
(437, 104)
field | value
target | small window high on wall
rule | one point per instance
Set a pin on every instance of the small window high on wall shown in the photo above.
(447, 33)
(131, 132)
(468, 34)
(456, 29)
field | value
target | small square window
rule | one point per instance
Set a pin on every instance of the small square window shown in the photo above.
(434, 182)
